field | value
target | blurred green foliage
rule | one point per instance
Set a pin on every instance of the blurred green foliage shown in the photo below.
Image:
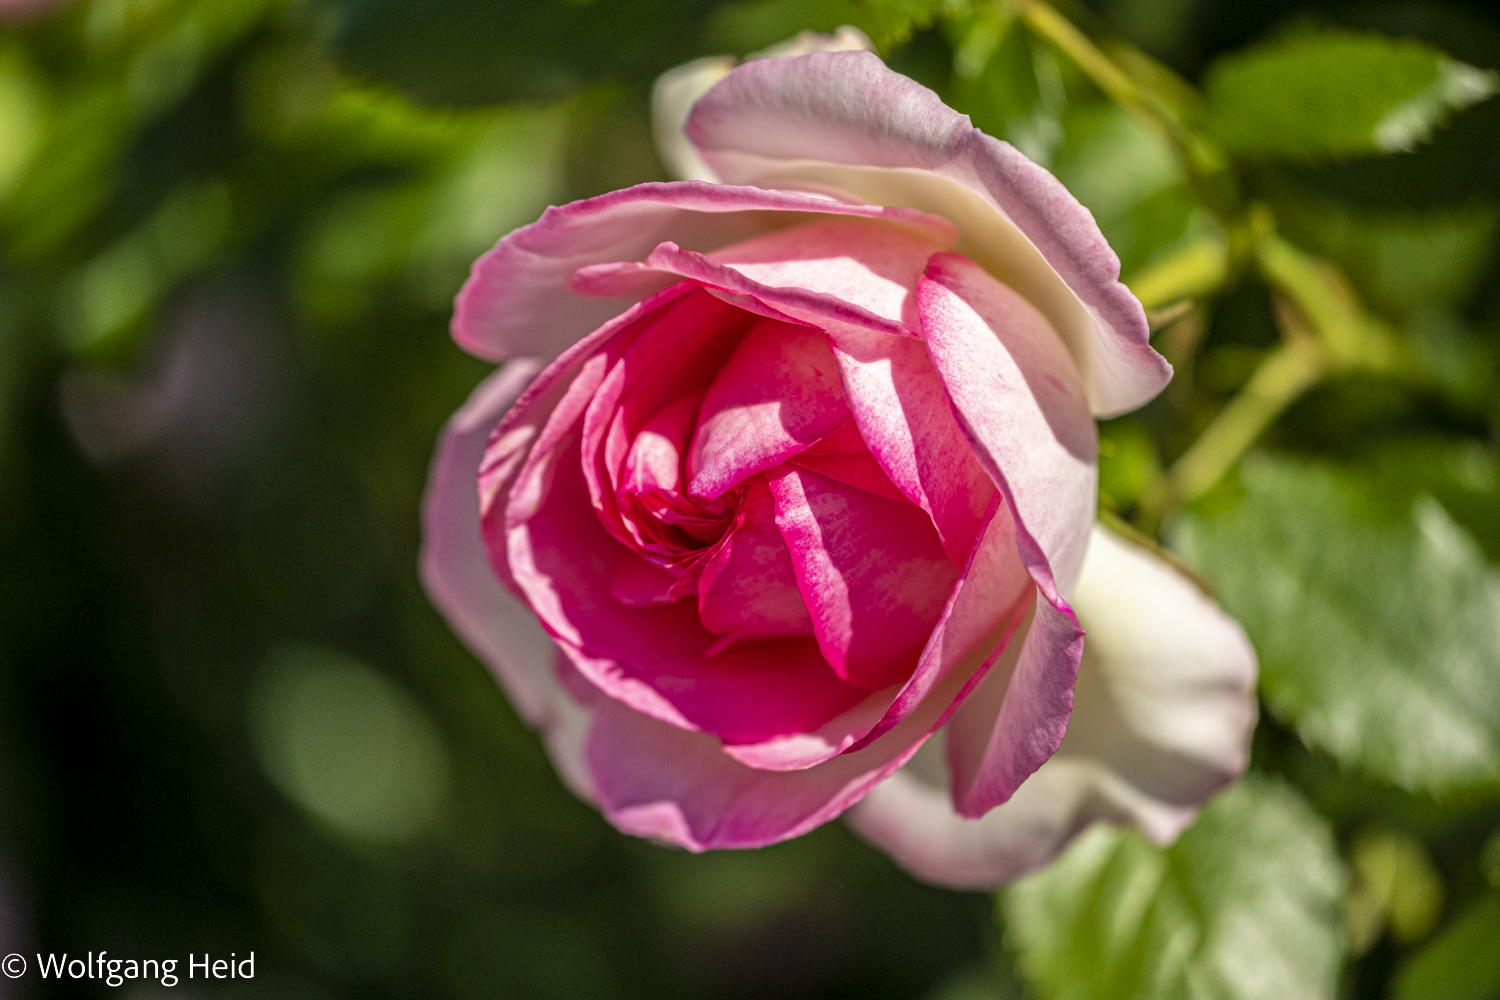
(1320, 94)
(1244, 904)
(1378, 629)
(229, 720)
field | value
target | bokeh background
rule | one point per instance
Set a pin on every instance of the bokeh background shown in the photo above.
(230, 234)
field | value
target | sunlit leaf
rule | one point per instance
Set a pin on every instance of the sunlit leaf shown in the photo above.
(1006, 83)
(1378, 635)
(1320, 94)
(891, 21)
(1244, 905)
(1128, 177)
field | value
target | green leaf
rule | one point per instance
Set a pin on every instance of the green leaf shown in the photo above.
(1464, 476)
(891, 22)
(1378, 632)
(1326, 94)
(1462, 963)
(1008, 85)
(1244, 905)
(1129, 178)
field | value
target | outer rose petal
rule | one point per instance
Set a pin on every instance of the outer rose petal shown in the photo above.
(1163, 717)
(1015, 719)
(518, 301)
(458, 578)
(497, 626)
(842, 121)
(672, 97)
(1019, 400)
(676, 90)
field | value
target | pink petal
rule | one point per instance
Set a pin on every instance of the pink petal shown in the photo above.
(903, 412)
(652, 658)
(676, 90)
(990, 600)
(523, 428)
(1162, 719)
(913, 821)
(676, 350)
(1015, 719)
(794, 303)
(517, 299)
(654, 780)
(873, 265)
(748, 589)
(844, 122)
(494, 624)
(778, 393)
(655, 458)
(635, 582)
(1020, 402)
(872, 572)
(854, 468)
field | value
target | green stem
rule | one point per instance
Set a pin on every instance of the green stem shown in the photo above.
(1048, 23)
(1195, 270)
(1291, 368)
(1322, 293)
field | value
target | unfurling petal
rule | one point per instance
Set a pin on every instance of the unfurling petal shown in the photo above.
(1162, 719)
(518, 300)
(842, 121)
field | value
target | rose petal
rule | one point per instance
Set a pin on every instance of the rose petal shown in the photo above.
(778, 393)
(1020, 402)
(854, 468)
(672, 97)
(1167, 696)
(873, 265)
(984, 610)
(653, 780)
(517, 300)
(1163, 716)
(1016, 717)
(985, 606)
(871, 571)
(748, 590)
(785, 302)
(494, 624)
(904, 413)
(914, 822)
(654, 659)
(676, 90)
(656, 455)
(678, 349)
(844, 122)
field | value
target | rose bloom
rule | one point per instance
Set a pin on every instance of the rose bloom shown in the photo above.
(783, 501)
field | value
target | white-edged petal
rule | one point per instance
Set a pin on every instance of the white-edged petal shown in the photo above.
(1162, 718)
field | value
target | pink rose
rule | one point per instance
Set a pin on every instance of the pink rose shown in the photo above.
(788, 473)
